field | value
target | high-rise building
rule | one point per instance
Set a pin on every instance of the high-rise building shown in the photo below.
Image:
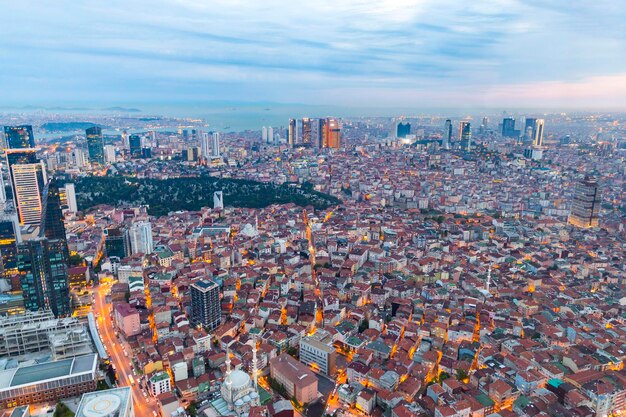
(116, 242)
(508, 128)
(205, 145)
(307, 138)
(529, 128)
(135, 146)
(264, 134)
(42, 262)
(447, 135)
(109, 154)
(291, 132)
(28, 177)
(10, 237)
(218, 200)
(403, 129)
(586, 204)
(18, 137)
(68, 197)
(332, 134)
(95, 144)
(141, 238)
(538, 133)
(52, 225)
(270, 134)
(3, 191)
(205, 304)
(215, 145)
(465, 135)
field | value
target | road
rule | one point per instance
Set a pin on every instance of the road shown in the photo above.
(122, 364)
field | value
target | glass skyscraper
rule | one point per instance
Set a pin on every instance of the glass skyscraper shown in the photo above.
(95, 144)
(586, 204)
(19, 136)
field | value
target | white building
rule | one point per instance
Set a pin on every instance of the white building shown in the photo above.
(159, 383)
(70, 197)
(180, 371)
(270, 134)
(264, 134)
(141, 238)
(109, 154)
(218, 200)
(215, 145)
(26, 191)
(205, 145)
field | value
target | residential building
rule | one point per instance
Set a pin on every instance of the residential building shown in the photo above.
(297, 378)
(205, 304)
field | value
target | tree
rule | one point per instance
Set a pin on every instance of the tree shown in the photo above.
(461, 374)
(62, 410)
(292, 351)
(76, 259)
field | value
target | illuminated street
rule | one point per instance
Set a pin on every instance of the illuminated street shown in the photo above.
(102, 310)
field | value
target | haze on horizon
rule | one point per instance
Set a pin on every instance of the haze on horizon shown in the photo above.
(358, 53)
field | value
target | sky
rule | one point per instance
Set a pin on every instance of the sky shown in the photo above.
(567, 54)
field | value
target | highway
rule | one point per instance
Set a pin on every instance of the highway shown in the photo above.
(142, 406)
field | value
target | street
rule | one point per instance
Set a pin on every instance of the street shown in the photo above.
(116, 354)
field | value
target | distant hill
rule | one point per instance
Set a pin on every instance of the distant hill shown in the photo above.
(66, 126)
(164, 196)
(123, 109)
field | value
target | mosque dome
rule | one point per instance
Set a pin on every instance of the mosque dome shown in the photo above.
(237, 380)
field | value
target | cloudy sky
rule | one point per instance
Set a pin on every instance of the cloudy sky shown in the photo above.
(360, 53)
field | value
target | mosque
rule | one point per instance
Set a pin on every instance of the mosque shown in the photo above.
(239, 392)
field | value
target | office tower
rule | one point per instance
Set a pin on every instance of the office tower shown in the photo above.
(205, 145)
(135, 146)
(270, 134)
(538, 133)
(28, 177)
(141, 238)
(529, 129)
(485, 121)
(109, 154)
(465, 135)
(508, 128)
(52, 225)
(447, 135)
(215, 145)
(3, 191)
(403, 129)
(125, 140)
(586, 204)
(291, 132)
(19, 137)
(205, 304)
(332, 133)
(264, 134)
(95, 144)
(10, 237)
(307, 138)
(116, 242)
(42, 262)
(317, 132)
(218, 200)
(299, 127)
(68, 197)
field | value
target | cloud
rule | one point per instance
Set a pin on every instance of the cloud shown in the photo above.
(387, 51)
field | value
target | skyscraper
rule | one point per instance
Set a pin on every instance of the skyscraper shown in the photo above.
(291, 132)
(9, 239)
(52, 225)
(135, 146)
(95, 144)
(538, 133)
(43, 262)
(68, 197)
(508, 128)
(28, 177)
(19, 137)
(465, 135)
(270, 134)
(205, 145)
(42, 266)
(332, 134)
(264, 134)
(141, 238)
(586, 204)
(403, 129)
(215, 147)
(447, 135)
(529, 129)
(317, 133)
(307, 139)
(218, 200)
(109, 153)
(205, 304)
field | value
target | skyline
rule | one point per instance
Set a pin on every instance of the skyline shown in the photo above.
(415, 54)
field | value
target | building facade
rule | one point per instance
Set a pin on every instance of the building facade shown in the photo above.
(205, 304)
